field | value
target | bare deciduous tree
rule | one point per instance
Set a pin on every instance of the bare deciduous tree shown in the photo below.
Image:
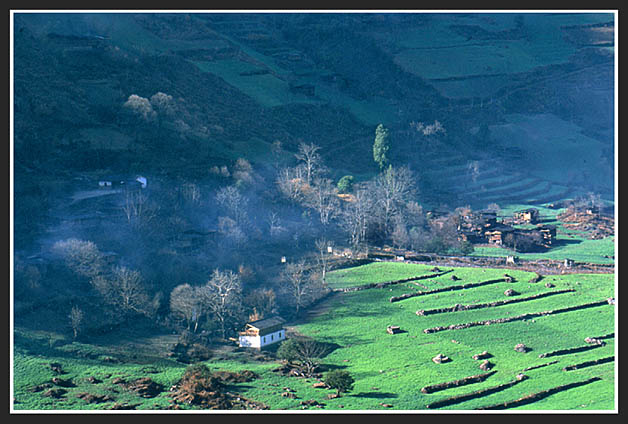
(274, 224)
(414, 215)
(82, 257)
(223, 296)
(291, 182)
(140, 106)
(76, 320)
(311, 159)
(323, 199)
(391, 190)
(186, 302)
(234, 203)
(138, 209)
(308, 354)
(125, 290)
(300, 288)
(430, 129)
(323, 255)
(356, 217)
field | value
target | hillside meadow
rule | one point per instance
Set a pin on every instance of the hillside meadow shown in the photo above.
(389, 369)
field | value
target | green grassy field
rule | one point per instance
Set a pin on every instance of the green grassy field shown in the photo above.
(399, 365)
(389, 370)
(267, 89)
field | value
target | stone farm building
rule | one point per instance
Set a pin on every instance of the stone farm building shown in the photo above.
(263, 332)
(527, 216)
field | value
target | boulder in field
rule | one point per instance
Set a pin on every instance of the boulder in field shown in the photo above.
(393, 329)
(521, 348)
(440, 359)
(486, 365)
(483, 355)
(510, 292)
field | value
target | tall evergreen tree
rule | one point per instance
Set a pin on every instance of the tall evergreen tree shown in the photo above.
(381, 146)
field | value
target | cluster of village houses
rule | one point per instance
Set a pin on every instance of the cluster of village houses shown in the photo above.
(482, 227)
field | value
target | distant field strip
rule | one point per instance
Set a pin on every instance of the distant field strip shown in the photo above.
(515, 318)
(496, 182)
(456, 383)
(390, 283)
(514, 186)
(539, 395)
(459, 307)
(473, 395)
(446, 289)
(589, 363)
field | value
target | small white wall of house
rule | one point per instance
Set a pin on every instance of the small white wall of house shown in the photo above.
(260, 341)
(250, 341)
(271, 338)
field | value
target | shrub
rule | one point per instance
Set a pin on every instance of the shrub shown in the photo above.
(345, 184)
(340, 380)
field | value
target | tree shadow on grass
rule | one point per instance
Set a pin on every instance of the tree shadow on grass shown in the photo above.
(331, 367)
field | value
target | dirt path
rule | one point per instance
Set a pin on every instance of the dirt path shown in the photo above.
(541, 267)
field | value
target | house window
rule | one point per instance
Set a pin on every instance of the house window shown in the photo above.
(272, 337)
(263, 339)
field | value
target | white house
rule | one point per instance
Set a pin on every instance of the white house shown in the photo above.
(263, 332)
(141, 180)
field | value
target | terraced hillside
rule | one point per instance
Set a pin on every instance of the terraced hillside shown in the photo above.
(520, 76)
(551, 317)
